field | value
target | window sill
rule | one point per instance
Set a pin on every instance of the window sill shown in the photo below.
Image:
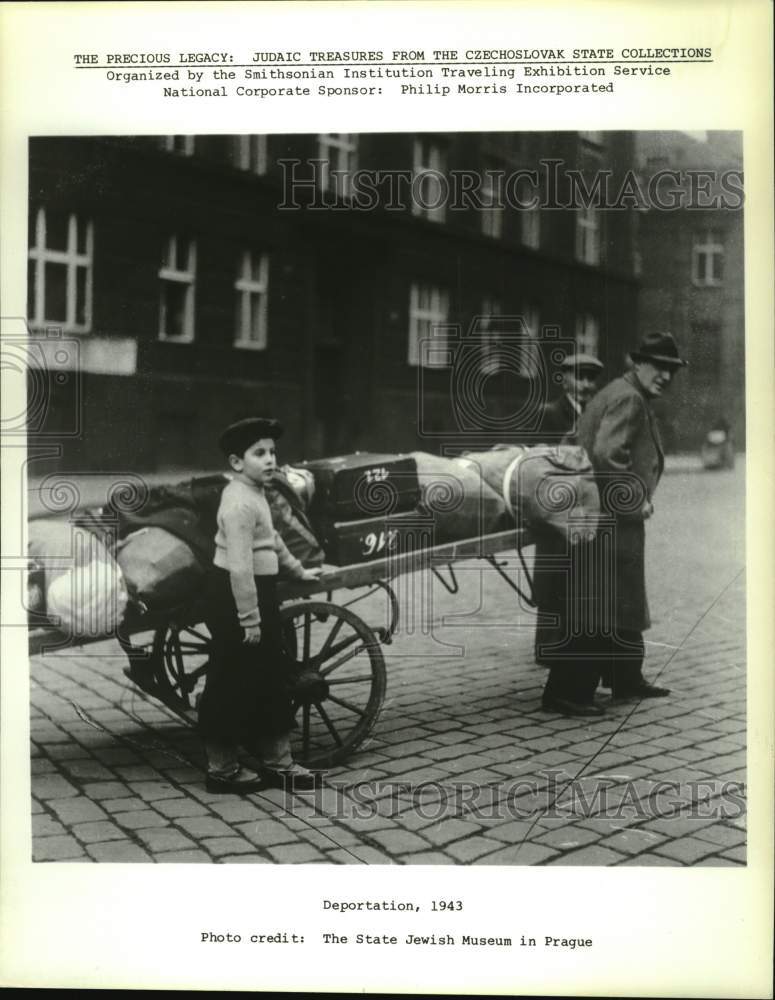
(246, 345)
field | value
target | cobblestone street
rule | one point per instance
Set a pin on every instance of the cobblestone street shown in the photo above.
(463, 763)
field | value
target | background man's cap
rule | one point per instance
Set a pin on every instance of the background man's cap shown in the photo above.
(577, 361)
(239, 436)
(659, 348)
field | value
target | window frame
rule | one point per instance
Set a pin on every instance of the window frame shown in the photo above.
(250, 153)
(247, 287)
(588, 235)
(172, 275)
(587, 323)
(437, 315)
(172, 144)
(345, 145)
(709, 250)
(71, 259)
(434, 163)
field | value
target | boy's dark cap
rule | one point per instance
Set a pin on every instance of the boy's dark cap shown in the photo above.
(239, 436)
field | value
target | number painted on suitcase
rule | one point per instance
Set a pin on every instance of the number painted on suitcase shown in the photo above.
(376, 475)
(382, 541)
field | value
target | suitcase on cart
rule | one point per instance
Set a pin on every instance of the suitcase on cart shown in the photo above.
(362, 485)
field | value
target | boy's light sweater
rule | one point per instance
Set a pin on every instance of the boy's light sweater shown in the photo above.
(247, 545)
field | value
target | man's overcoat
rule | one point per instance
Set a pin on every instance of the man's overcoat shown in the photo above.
(619, 432)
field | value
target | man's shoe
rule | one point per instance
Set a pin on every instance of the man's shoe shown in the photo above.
(294, 778)
(642, 690)
(242, 782)
(564, 706)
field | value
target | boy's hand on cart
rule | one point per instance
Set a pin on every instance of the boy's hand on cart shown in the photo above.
(253, 635)
(312, 574)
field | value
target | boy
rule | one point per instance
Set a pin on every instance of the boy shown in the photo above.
(247, 696)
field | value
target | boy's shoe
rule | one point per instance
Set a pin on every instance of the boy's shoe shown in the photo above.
(295, 778)
(241, 782)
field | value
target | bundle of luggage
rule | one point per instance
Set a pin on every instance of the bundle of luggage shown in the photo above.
(342, 510)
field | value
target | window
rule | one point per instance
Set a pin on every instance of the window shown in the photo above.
(182, 144)
(588, 235)
(492, 211)
(59, 286)
(587, 335)
(530, 359)
(428, 181)
(428, 309)
(490, 341)
(250, 153)
(177, 276)
(594, 137)
(707, 258)
(339, 153)
(251, 286)
(530, 226)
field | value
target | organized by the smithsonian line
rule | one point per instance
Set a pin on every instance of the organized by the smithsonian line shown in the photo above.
(410, 72)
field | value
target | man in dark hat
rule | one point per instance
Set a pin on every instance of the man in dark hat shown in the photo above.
(570, 677)
(619, 432)
(580, 373)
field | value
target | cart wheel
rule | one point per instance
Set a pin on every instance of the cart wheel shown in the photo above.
(169, 664)
(180, 656)
(340, 682)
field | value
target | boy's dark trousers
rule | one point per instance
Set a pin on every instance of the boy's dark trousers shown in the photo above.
(247, 695)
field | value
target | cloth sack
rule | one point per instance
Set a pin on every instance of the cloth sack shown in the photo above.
(89, 598)
(553, 486)
(161, 570)
(460, 502)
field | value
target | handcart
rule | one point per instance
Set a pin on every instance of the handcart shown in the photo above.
(340, 679)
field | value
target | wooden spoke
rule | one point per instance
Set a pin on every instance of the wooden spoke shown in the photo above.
(347, 704)
(329, 639)
(325, 671)
(329, 724)
(363, 679)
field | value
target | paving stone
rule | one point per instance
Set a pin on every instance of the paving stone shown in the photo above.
(448, 830)
(89, 770)
(204, 826)
(122, 805)
(724, 836)
(76, 810)
(466, 851)
(106, 790)
(687, 850)
(118, 851)
(399, 841)
(150, 791)
(294, 854)
(428, 858)
(141, 819)
(593, 854)
(183, 858)
(518, 854)
(44, 825)
(567, 838)
(53, 786)
(264, 832)
(735, 854)
(633, 841)
(179, 807)
(717, 861)
(92, 833)
(220, 846)
(58, 848)
(167, 838)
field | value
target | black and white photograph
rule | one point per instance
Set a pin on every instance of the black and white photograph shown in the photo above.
(386, 498)
(387, 420)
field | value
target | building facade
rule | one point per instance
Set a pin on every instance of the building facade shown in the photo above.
(373, 291)
(692, 279)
